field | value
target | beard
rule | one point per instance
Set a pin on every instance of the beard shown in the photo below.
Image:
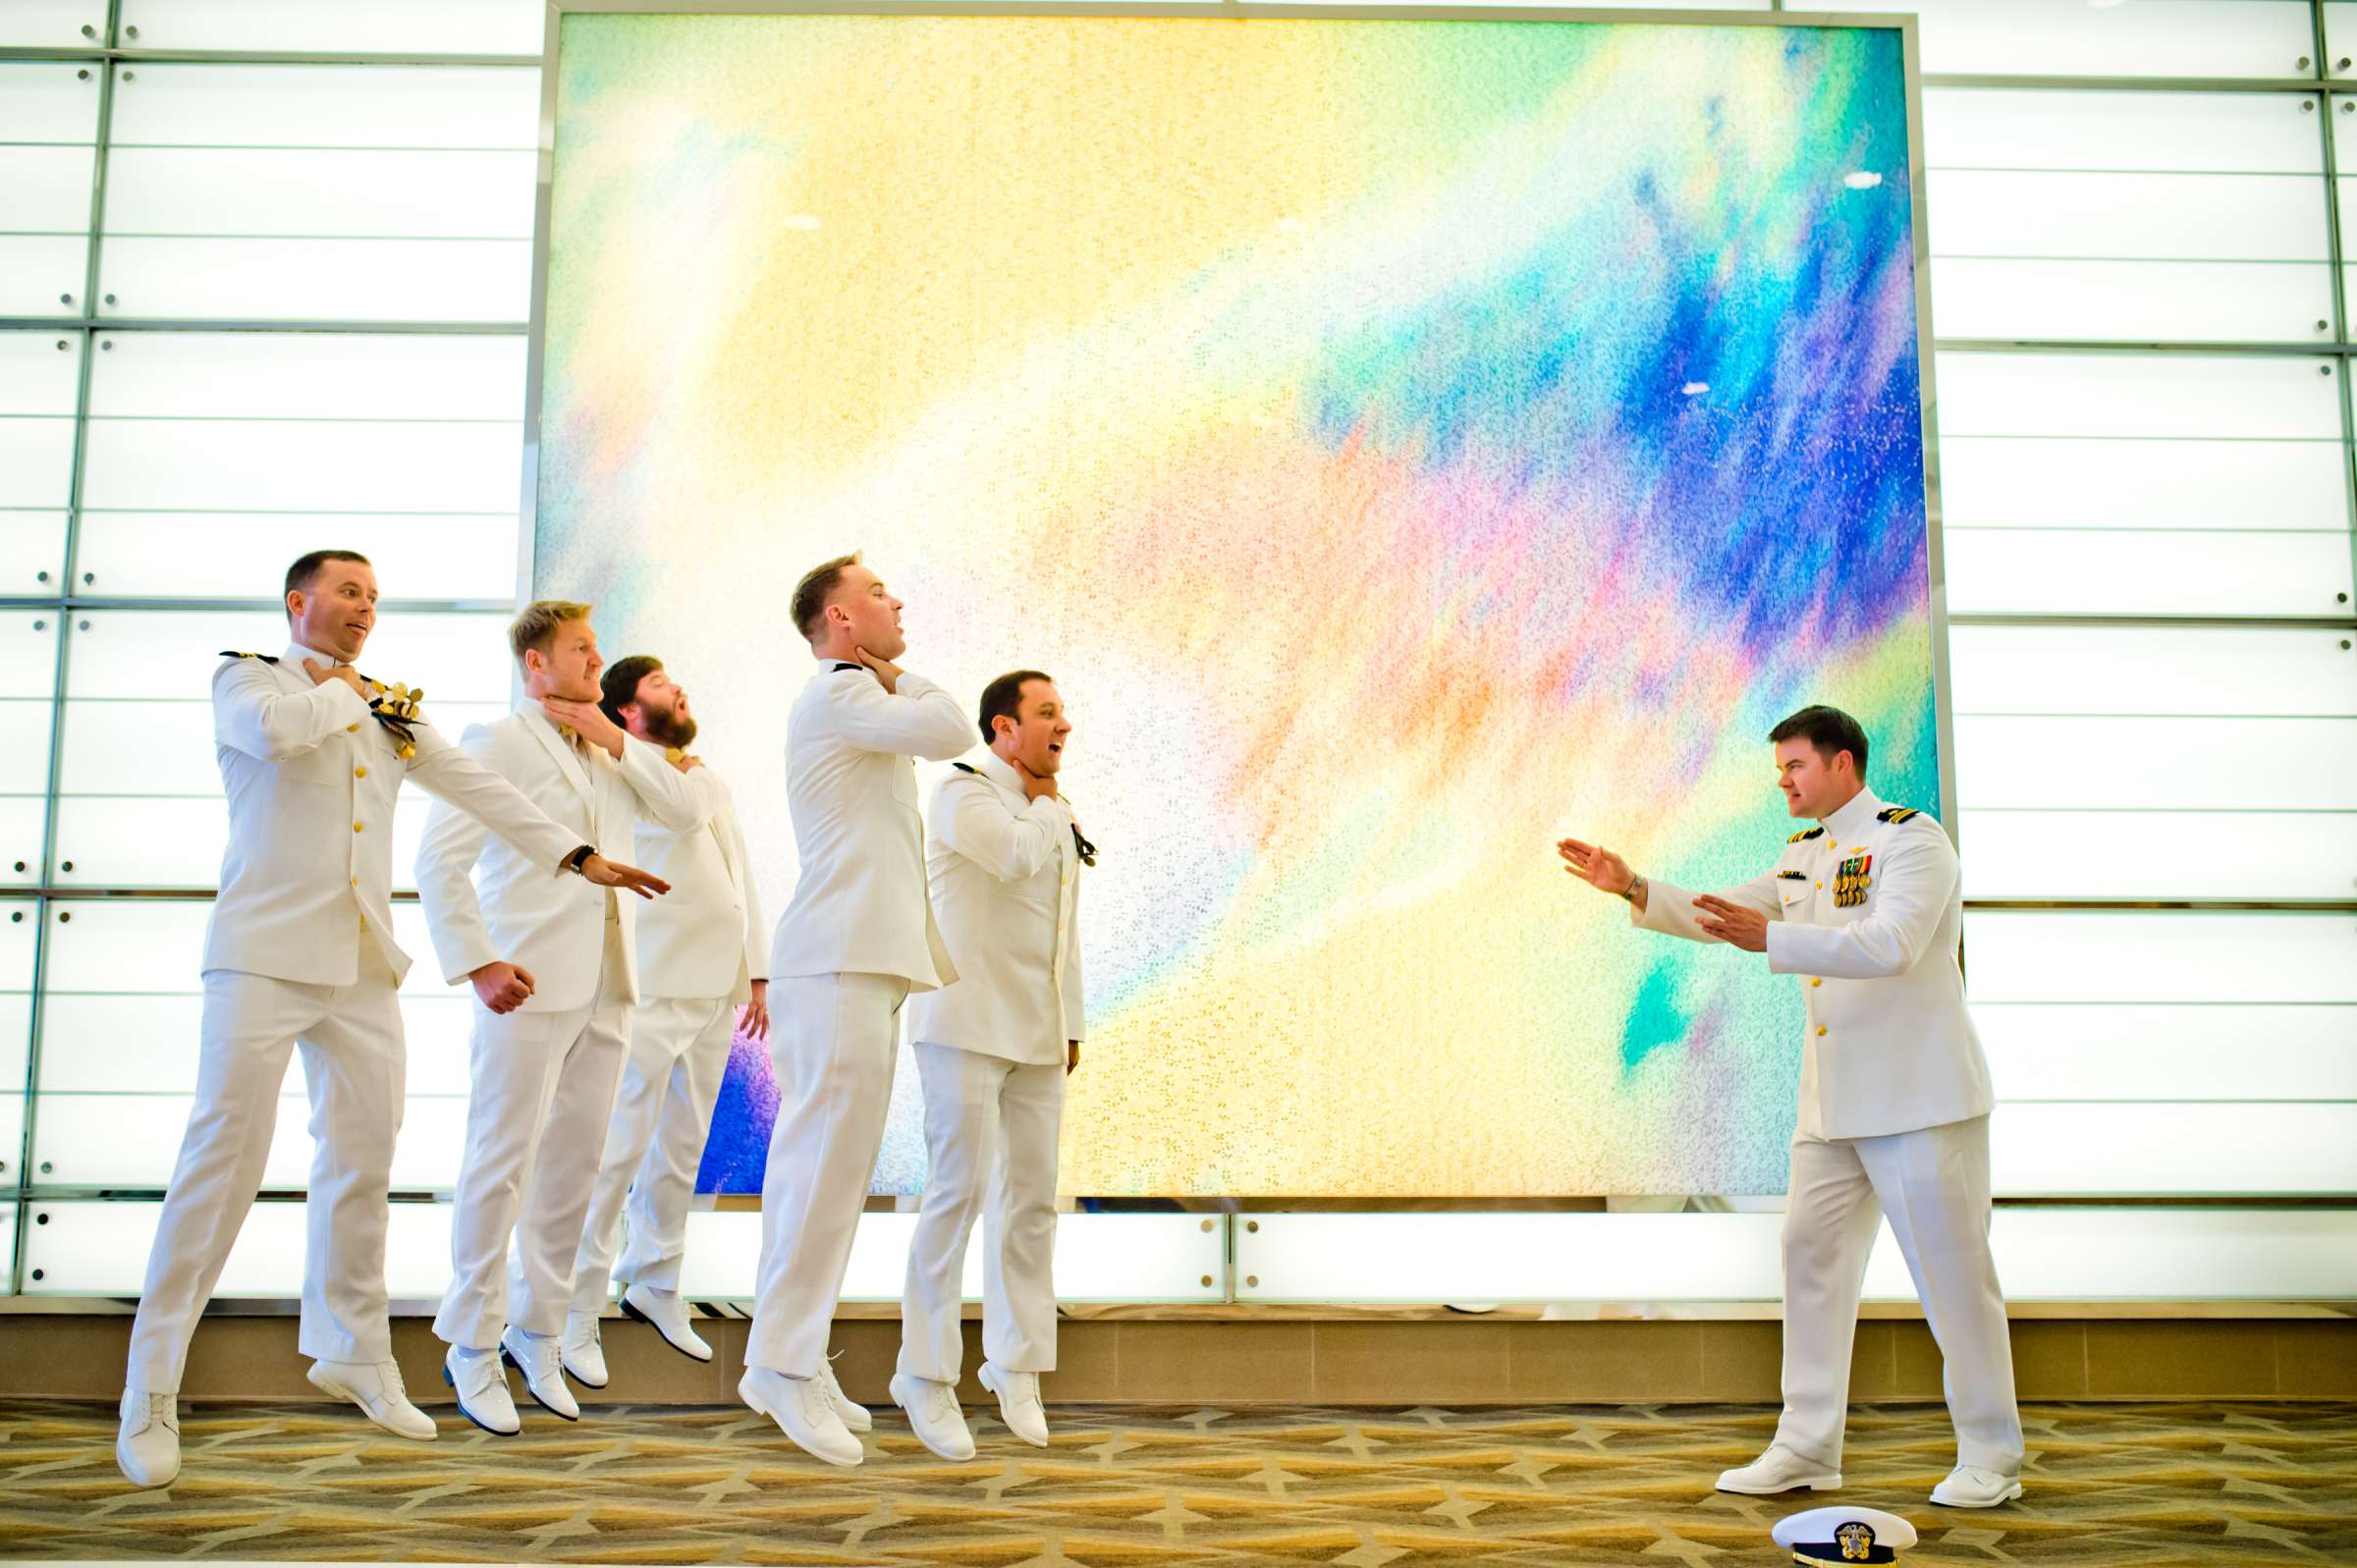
(668, 728)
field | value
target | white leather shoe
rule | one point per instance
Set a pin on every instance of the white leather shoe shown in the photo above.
(799, 1405)
(1779, 1469)
(582, 1352)
(934, 1415)
(480, 1380)
(854, 1417)
(1967, 1486)
(1018, 1402)
(376, 1388)
(148, 1448)
(540, 1357)
(666, 1312)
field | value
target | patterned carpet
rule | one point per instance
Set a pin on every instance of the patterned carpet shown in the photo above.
(2108, 1486)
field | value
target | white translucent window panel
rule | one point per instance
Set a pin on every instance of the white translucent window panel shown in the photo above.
(1098, 1256)
(317, 279)
(33, 552)
(382, 27)
(45, 190)
(2076, 483)
(234, 555)
(2191, 38)
(96, 1044)
(129, 946)
(12, 1134)
(49, 100)
(20, 924)
(115, 841)
(2131, 1050)
(2055, 955)
(2157, 764)
(24, 745)
(21, 821)
(37, 462)
(2114, 571)
(100, 1249)
(40, 275)
(2047, 1149)
(2154, 217)
(55, 23)
(480, 107)
(2179, 396)
(287, 466)
(173, 652)
(2154, 854)
(1998, 127)
(28, 653)
(40, 373)
(119, 747)
(2129, 302)
(2043, 1254)
(2171, 671)
(132, 1140)
(308, 376)
(358, 194)
(2340, 38)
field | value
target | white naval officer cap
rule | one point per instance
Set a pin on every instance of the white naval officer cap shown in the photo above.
(1843, 1535)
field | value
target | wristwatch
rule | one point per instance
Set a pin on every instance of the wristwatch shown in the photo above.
(580, 857)
(1636, 884)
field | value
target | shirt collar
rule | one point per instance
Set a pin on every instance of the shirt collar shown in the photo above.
(1848, 822)
(297, 653)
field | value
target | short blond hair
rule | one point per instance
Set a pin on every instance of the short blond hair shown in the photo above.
(539, 624)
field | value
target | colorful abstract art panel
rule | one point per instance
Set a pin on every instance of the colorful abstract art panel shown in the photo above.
(1405, 441)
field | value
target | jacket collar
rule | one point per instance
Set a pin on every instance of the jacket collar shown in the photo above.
(997, 769)
(1846, 824)
(543, 727)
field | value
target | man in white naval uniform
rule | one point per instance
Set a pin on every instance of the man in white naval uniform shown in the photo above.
(554, 970)
(1004, 857)
(703, 954)
(856, 940)
(1866, 908)
(299, 951)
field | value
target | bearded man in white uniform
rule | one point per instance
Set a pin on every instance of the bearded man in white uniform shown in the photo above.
(299, 951)
(1867, 909)
(703, 972)
(857, 941)
(1004, 856)
(554, 970)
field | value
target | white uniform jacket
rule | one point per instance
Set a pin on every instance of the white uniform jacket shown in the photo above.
(706, 938)
(859, 904)
(551, 926)
(1005, 883)
(1868, 909)
(311, 778)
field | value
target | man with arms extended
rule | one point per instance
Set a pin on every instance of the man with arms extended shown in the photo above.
(555, 974)
(702, 956)
(1866, 908)
(299, 951)
(993, 1049)
(856, 940)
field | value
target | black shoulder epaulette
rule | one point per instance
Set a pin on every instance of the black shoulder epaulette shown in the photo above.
(266, 658)
(966, 768)
(1805, 832)
(1896, 813)
(838, 666)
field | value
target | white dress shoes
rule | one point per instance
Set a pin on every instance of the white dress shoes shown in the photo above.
(376, 1388)
(480, 1380)
(148, 1447)
(853, 1416)
(540, 1357)
(1018, 1402)
(582, 1353)
(1779, 1469)
(1968, 1486)
(934, 1415)
(666, 1312)
(800, 1407)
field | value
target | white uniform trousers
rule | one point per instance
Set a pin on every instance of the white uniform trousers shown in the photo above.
(832, 1043)
(654, 1144)
(1933, 1184)
(353, 1063)
(995, 1120)
(543, 1089)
